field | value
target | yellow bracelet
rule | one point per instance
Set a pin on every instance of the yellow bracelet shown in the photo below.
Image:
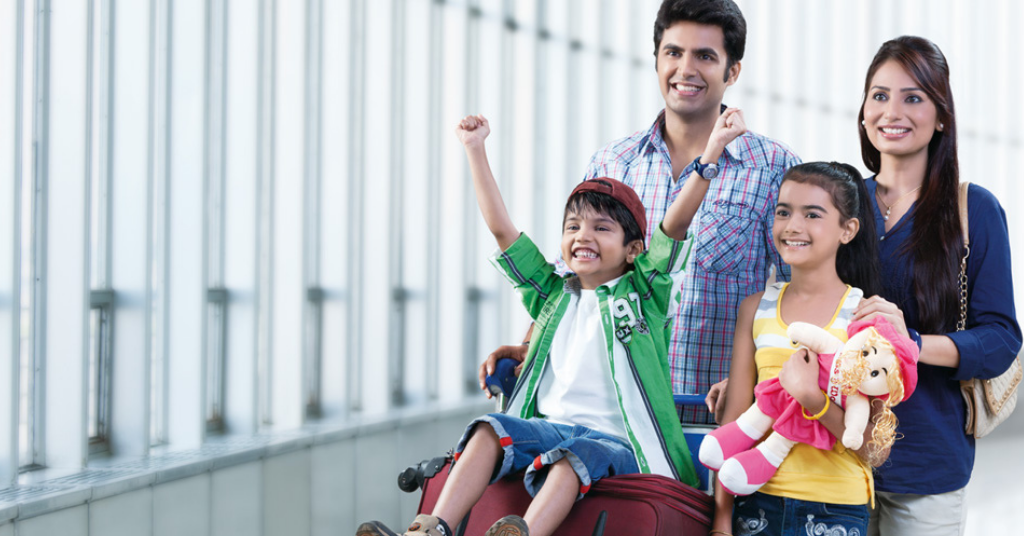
(828, 402)
(722, 532)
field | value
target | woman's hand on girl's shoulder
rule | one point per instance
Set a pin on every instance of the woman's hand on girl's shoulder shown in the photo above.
(869, 308)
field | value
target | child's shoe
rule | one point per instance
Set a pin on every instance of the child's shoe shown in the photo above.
(746, 472)
(508, 526)
(374, 528)
(423, 524)
(723, 443)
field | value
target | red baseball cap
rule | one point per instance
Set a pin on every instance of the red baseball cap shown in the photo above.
(621, 193)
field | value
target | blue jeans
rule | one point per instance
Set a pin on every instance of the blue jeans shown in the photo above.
(535, 444)
(768, 515)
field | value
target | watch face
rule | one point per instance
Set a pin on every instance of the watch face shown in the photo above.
(710, 171)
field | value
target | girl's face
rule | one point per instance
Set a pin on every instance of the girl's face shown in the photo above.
(899, 118)
(808, 229)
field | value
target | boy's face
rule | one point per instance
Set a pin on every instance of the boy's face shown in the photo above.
(692, 69)
(592, 247)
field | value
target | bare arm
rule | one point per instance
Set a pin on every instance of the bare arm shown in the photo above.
(680, 213)
(471, 132)
(740, 394)
(799, 377)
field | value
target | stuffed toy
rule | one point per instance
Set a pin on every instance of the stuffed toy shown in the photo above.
(876, 362)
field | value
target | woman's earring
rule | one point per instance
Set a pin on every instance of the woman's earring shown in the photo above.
(941, 126)
(862, 123)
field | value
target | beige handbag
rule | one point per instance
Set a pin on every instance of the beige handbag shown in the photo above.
(989, 402)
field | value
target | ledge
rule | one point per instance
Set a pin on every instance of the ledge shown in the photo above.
(51, 489)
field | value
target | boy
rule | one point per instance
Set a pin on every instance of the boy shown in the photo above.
(594, 398)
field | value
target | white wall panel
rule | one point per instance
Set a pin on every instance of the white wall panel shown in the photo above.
(10, 254)
(128, 514)
(67, 234)
(287, 507)
(186, 281)
(69, 522)
(287, 214)
(130, 223)
(379, 502)
(183, 507)
(334, 245)
(332, 489)
(448, 198)
(240, 213)
(377, 214)
(236, 500)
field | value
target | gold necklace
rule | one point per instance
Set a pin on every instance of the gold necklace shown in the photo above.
(888, 207)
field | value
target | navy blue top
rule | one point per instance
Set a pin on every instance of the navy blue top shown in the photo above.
(935, 455)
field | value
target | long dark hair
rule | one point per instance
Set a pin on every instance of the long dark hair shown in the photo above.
(935, 243)
(857, 260)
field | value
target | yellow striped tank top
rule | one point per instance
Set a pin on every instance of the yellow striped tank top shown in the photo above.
(836, 476)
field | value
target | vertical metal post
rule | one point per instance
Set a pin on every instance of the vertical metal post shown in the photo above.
(473, 294)
(265, 208)
(540, 109)
(396, 347)
(354, 314)
(434, 258)
(41, 170)
(313, 308)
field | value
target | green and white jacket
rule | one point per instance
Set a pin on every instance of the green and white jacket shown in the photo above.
(637, 315)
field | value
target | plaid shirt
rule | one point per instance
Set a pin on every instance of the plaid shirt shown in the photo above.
(733, 250)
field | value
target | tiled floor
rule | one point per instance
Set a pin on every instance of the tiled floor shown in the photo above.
(995, 496)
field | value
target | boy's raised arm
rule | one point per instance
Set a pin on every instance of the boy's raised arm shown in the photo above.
(472, 131)
(728, 127)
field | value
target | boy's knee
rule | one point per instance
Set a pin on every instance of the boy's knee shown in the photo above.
(484, 430)
(484, 435)
(565, 466)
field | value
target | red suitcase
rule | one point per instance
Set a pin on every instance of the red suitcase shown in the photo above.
(637, 504)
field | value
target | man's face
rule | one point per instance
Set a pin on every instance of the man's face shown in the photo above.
(692, 69)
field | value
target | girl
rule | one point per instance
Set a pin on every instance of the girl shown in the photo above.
(821, 232)
(908, 138)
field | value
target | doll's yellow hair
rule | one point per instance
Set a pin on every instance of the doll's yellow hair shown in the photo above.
(853, 372)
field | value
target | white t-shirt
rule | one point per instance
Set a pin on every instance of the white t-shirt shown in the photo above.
(576, 387)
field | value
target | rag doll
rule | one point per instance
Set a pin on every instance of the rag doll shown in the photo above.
(876, 362)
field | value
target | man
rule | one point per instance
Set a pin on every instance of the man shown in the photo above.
(698, 48)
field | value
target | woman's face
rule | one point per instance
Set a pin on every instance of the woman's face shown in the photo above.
(899, 118)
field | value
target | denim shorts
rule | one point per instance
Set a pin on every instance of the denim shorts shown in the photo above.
(534, 444)
(768, 515)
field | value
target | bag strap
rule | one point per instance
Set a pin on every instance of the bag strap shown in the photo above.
(962, 323)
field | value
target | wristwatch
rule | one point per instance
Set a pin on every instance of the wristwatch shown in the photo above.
(708, 171)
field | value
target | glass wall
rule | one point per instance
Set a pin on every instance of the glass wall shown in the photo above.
(219, 216)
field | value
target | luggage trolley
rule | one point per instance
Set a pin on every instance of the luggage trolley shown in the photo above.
(623, 504)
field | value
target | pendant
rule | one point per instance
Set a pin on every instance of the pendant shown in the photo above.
(886, 217)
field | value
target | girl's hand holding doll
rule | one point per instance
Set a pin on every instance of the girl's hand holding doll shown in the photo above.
(799, 377)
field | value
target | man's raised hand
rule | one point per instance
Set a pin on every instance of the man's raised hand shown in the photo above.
(729, 126)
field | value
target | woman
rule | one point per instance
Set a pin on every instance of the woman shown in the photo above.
(908, 139)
